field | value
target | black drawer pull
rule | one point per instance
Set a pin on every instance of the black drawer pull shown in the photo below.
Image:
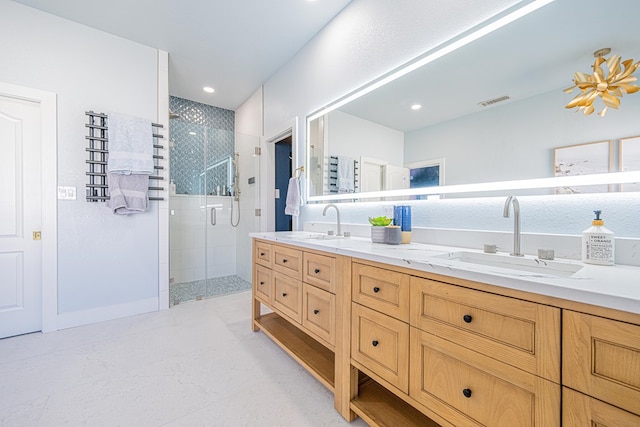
(376, 289)
(316, 311)
(262, 283)
(284, 294)
(467, 318)
(467, 392)
(261, 253)
(284, 261)
(317, 270)
(374, 343)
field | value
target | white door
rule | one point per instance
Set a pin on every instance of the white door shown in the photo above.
(20, 217)
(396, 178)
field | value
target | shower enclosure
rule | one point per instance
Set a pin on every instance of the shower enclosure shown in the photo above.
(205, 209)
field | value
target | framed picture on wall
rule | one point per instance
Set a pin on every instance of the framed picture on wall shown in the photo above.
(630, 159)
(582, 159)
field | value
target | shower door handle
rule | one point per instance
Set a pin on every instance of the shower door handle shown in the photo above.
(214, 216)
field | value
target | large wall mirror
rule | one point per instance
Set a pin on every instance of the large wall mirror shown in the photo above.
(492, 111)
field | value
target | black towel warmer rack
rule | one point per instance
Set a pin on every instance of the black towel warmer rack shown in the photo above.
(97, 188)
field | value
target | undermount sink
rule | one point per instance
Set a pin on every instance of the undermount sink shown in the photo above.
(529, 264)
(323, 237)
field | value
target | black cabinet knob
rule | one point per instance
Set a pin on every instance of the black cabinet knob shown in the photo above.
(376, 289)
(317, 270)
(466, 392)
(316, 311)
(284, 294)
(467, 318)
(374, 343)
(262, 283)
(261, 253)
(284, 261)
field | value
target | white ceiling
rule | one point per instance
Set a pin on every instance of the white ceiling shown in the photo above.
(231, 45)
(536, 54)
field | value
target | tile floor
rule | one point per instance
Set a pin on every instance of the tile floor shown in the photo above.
(197, 364)
(206, 288)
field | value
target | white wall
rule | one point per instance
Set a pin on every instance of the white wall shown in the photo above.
(353, 137)
(107, 264)
(372, 37)
(524, 133)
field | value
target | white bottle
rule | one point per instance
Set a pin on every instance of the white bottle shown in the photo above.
(172, 188)
(598, 243)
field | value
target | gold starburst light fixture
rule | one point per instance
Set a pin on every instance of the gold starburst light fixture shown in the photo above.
(608, 86)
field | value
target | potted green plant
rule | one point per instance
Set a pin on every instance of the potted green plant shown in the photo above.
(377, 228)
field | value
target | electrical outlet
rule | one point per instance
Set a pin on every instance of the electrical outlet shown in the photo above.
(66, 193)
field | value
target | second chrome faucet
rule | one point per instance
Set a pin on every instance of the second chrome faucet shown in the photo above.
(516, 223)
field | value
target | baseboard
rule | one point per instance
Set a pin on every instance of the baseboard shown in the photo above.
(101, 314)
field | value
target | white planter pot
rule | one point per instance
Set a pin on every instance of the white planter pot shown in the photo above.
(377, 234)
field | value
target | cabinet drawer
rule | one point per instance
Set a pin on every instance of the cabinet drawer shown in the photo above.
(319, 313)
(382, 290)
(287, 261)
(320, 271)
(381, 344)
(520, 333)
(263, 284)
(601, 358)
(484, 389)
(262, 253)
(581, 410)
(287, 296)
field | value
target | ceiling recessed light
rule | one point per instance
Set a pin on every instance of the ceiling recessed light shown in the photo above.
(416, 106)
(208, 89)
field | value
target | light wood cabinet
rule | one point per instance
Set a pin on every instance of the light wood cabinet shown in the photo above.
(478, 389)
(320, 271)
(263, 283)
(319, 313)
(262, 253)
(399, 346)
(521, 333)
(380, 344)
(287, 296)
(381, 289)
(287, 261)
(601, 358)
(299, 287)
(580, 410)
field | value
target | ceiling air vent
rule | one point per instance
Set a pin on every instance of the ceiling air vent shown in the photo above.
(493, 101)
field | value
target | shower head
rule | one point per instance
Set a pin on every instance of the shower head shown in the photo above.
(173, 115)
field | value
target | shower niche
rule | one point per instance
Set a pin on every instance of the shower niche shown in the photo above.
(205, 207)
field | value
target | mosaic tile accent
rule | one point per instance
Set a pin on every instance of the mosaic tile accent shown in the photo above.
(202, 138)
(199, 289)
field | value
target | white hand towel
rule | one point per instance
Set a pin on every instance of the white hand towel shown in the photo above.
(294, 199)
(346, 175)
(127, 193)
(130, 145)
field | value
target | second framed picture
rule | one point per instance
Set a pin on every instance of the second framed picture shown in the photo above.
(583, 159)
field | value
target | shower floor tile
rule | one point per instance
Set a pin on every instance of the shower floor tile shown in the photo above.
(201, 289)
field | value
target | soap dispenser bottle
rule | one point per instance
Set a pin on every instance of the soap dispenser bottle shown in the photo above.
(598, 243)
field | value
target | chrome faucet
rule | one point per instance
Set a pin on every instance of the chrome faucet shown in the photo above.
(516, 223)
(324, 213)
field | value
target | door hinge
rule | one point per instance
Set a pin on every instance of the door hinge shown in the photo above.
(258, 212)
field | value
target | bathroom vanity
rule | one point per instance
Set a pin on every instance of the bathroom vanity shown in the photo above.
(418, 335)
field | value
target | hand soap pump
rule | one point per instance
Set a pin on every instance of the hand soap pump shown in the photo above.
(598, 243)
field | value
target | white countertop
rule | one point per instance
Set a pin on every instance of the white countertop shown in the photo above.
(616, 287)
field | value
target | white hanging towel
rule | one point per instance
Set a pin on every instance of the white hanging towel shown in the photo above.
(294, 197)
(346, 175)
(130, 145)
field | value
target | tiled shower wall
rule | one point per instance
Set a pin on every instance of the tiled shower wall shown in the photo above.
(202, 138)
